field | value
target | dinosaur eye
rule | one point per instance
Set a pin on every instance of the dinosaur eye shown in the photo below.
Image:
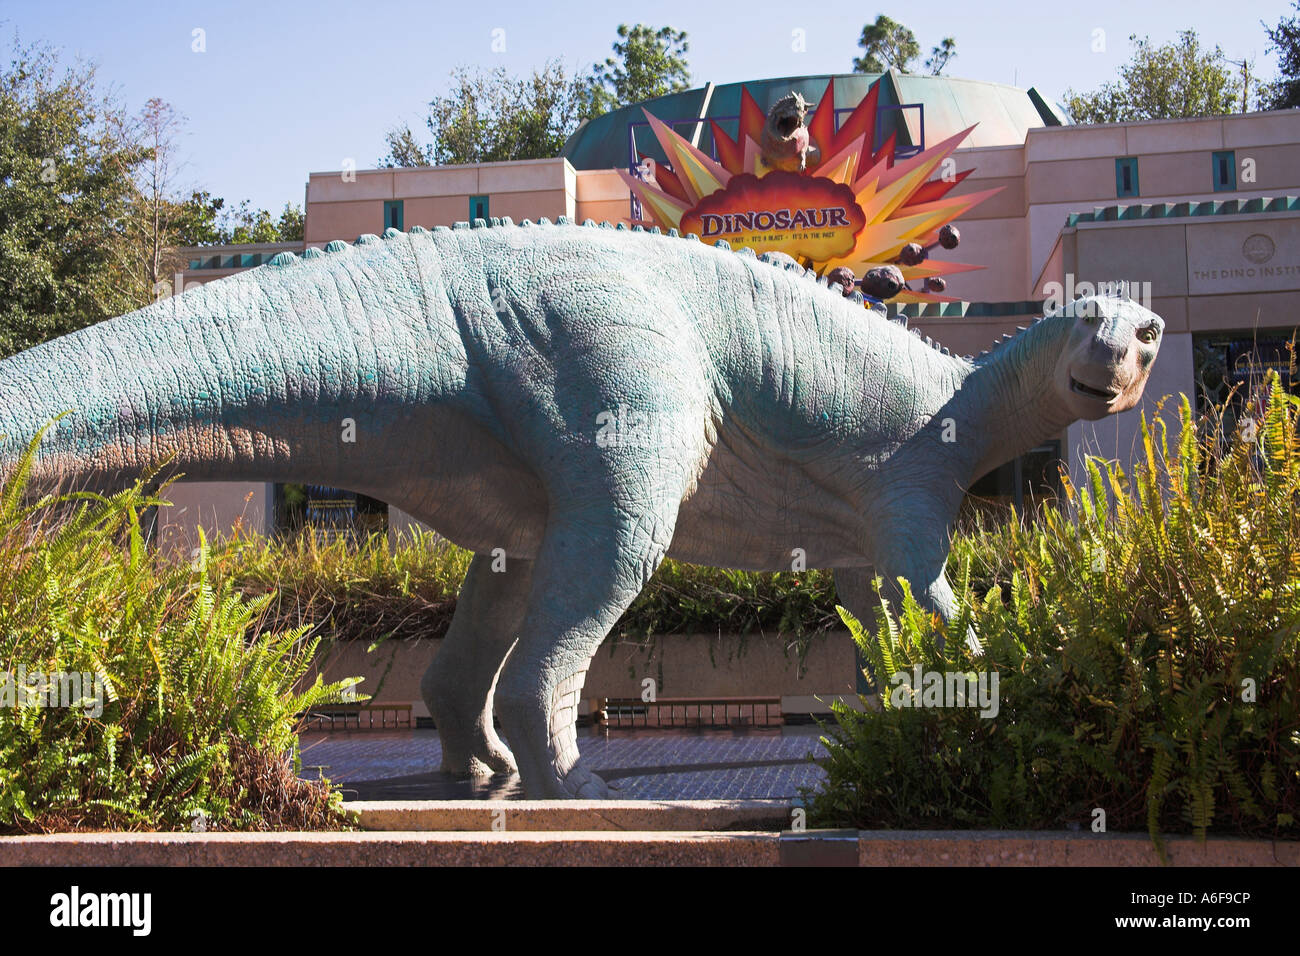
(1147, 334)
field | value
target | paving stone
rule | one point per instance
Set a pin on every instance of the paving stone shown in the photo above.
(650, 764)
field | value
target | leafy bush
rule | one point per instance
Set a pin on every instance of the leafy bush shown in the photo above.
(350, 589)
(196, 715)
(1146, 639)
(366, 590)
(686, 598)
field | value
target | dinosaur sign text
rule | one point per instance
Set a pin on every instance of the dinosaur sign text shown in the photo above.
(786, 212)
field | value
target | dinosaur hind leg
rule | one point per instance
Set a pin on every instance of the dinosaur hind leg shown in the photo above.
(458, 686)
(589, 569)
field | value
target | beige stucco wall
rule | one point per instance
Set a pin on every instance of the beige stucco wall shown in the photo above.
(971, 335)
(602, 196)
(216, 506)
(344, 206)
(1072, 168)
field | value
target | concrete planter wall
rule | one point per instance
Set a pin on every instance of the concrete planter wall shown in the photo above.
(681, 665)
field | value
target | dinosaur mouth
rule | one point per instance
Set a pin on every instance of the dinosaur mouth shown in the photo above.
(1107, 395)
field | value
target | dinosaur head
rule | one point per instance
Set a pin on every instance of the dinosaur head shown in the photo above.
(1108, 354)
(787, 115)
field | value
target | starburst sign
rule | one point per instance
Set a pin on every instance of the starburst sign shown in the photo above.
(854, 207)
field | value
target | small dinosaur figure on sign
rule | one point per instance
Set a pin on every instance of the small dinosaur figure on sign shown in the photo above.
(785, 141)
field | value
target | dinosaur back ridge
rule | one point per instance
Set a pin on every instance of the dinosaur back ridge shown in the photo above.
(777, 260)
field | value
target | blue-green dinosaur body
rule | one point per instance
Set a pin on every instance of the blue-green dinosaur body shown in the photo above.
(573, 404)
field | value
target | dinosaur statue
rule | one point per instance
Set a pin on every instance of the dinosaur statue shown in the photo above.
(573, 404)
(785, 144)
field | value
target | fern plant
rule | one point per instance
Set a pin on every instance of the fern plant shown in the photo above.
(194, 706)
(1146, 637)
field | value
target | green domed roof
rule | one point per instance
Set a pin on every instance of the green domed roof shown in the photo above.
(1004, 113)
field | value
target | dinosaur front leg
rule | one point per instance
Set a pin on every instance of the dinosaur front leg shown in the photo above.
(917, 550)
(459, 682)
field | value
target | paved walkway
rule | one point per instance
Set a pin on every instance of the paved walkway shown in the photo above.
(642, 764)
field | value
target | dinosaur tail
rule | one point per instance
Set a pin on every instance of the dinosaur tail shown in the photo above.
(249, 378)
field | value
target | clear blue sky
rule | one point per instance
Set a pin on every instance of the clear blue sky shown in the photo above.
(285, 89)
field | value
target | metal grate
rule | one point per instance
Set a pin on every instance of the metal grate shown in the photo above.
(690, 712)
(360, 717)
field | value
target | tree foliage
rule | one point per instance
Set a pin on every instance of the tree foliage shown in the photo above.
(199, 219)
(940, 55)
(1284, 39)
(92, 212)
(886, 44)
(291, 223)
(66, 182)
(648, 63)
(490, 116)
(1180, 80)
(148, 255)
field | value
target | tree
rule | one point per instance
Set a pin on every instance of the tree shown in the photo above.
(292, 221)
(886, 44)
(649, 63)
(940, 55)
(1284, 92)
(198, 220)
(491, 117)
(66, 181)
(246, 224)
(1179, 80)
(148, 256)
(405, 150)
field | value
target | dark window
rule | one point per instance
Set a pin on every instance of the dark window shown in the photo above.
(1126, 176)
(478, 208)
(1225, 171)
(393, 214)
(328, 512)
(1235, 365)
(1025, 482)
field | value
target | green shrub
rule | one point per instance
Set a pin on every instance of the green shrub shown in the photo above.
(366, 590)
(195, 723)
(687, 598)
(349, 589)
(1146, 639)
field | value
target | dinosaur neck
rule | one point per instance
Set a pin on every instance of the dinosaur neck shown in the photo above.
(1014, 396)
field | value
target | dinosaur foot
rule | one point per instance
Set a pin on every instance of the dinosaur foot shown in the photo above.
(486, 760)
(578, 784)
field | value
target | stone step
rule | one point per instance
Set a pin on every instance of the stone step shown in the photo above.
(397, 848)
(637, 848)
(570, 815)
